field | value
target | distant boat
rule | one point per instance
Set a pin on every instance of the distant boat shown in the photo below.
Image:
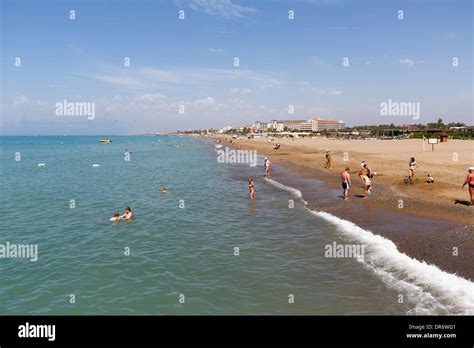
(105, 140)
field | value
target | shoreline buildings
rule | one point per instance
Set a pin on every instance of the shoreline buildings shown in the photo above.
(311, 125)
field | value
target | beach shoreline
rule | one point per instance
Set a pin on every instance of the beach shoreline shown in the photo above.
(438, 226)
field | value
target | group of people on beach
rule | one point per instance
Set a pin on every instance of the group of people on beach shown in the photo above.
(365, 176)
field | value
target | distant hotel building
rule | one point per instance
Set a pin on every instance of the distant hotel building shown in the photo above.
(312, 125)
(329, 124)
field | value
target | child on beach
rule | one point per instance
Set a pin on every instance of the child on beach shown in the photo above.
(366, 182)
(470, 181)
(346, 182)
(430, 179)
(251, 187)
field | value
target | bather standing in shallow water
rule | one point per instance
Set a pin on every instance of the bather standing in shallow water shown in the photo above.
(251, 187)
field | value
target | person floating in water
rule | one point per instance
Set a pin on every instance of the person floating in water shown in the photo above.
(115, 218)
(346, 182)
(127, 214)
(251, 187)
(267, 168)
(164, 189)
(470, 181)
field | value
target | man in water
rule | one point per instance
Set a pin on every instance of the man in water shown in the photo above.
(267, 168)
(346, 182)
(164, 189)
(128, 214)
(470, 181)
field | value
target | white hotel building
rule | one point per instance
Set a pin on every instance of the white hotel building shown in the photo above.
(312, 125)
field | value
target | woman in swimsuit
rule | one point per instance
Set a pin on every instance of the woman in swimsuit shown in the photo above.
(412, 167)
(470, 181)
(366, 182)
(267, 168)
(251, 187)
(328, 160)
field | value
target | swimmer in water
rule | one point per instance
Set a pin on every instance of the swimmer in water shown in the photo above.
(128, 214)
(164, 189)
(115, 218)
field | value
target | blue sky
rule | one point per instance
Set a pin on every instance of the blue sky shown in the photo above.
(190, 62)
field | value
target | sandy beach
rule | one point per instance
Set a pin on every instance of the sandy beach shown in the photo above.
(389, 159)
(434, 218)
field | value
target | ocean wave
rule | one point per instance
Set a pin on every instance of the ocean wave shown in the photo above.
(431, 290)
(293, 191)
(428, 289)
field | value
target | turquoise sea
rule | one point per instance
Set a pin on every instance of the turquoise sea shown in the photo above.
(182, 243)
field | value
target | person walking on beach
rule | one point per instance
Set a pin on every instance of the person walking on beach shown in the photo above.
(470, 181)
(412, 167)
(368, 171)
(251, 187)
(267, 168)
(346, 182)
(327, 165)
(366, 182)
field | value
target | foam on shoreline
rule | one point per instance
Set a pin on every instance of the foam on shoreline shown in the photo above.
(427, 289)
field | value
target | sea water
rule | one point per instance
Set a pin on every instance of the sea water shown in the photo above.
(201, 248)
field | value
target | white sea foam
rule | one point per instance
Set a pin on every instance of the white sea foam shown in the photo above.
(431, 289)
(293, 191)
(426, 288)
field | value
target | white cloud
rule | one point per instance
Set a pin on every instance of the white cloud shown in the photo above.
(225, 9)
(120, 80)
(20, 100)
(150, 97)
(407, 61)
(240, 91)
(410, 62)
(160, 78)
(319, 62)
(327, 91)
(215, 50)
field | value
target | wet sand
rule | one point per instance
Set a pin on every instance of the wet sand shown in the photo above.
(422, 229)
